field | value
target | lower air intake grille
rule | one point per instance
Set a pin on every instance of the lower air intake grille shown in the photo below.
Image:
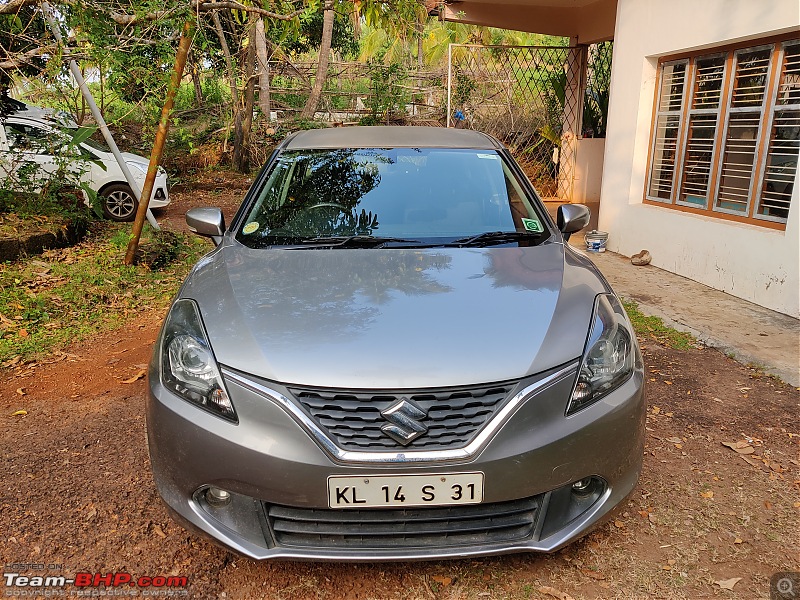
(410, 528)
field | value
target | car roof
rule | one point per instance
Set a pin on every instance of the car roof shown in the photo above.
(390, 137)
(42, 118)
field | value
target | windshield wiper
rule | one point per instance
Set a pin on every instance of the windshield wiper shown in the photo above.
(491, 238)
(350, 241)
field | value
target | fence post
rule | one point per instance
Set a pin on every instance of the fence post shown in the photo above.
(573, 117)
(449, 80)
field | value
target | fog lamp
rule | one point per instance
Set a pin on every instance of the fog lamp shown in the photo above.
(583, 486)
(217, 497)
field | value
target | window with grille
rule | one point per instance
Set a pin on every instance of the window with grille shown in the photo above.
(726, 133)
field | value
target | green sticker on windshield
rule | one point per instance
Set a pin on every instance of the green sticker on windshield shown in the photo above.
(532, 225)
(250, 227)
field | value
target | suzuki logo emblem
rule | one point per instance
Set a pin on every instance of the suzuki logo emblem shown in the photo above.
(404, 421)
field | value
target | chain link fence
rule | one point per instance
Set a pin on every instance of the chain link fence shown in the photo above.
(369, 93)
(536, 99)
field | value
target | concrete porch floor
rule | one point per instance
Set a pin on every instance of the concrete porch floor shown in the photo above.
(751, 333)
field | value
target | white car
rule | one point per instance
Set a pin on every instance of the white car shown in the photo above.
(28, 136)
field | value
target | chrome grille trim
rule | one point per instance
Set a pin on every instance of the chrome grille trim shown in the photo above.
(350, 456)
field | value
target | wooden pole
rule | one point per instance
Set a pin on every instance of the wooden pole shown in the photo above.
(161, 136)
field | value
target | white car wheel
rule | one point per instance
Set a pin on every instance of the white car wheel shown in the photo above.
(119, 203)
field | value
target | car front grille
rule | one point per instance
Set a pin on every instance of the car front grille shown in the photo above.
(500, 522)
(353, 419)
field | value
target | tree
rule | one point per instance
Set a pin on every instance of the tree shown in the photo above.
(243, 118)
(25, 44)
(322, 66)
(263, 69)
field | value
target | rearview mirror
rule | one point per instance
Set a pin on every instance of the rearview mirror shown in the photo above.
(571, 218)
(206, 221)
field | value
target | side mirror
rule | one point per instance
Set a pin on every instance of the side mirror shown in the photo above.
(571, 218)
(208, 222)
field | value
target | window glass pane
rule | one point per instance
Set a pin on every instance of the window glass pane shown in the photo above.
(708, 82)
(31, 139)
(672, 81)
(789, 91)
(403, 192)
(738, 160)
(664, 149)
(752, 67)
(784, 146)
(697, 161)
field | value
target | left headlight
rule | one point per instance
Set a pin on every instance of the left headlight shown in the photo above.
(188, 367)
(609, 355)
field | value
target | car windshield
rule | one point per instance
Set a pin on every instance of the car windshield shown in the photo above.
(417, 194)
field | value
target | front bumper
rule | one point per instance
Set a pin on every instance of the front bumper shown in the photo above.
(276, 469)
(160, 197)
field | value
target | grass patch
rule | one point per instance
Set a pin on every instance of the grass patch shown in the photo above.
(654, 328)
(47, 302)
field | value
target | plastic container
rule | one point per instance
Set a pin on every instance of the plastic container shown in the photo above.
(596, 241)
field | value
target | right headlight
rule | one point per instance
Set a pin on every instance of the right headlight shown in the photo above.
(188, 367)
(608, 357)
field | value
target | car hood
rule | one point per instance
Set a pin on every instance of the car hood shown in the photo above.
(135, 158)
(127, 156)
(394, 318)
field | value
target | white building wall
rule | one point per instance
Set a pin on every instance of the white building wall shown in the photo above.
(755, 263)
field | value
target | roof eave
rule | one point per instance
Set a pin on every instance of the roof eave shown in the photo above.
(589, 23)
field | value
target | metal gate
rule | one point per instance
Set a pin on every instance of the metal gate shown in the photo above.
(536, 99)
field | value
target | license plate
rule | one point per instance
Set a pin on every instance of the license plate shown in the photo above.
(370, 491)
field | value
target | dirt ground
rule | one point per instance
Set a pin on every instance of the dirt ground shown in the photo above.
(706, 521)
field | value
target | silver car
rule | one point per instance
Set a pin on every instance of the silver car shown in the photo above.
(393, 354)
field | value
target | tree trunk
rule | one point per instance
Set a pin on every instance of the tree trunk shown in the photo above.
(322, 67)
(356, 17)
(243, 121)
(422, 15)
(263, 70)
(198, 89)
(226, 52)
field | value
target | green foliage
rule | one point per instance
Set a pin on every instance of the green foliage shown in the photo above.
(654, 328)
(309, 35)
(595, 106)
(23, 32)
(28, 187)
(301, 124)
(463, 89)
(142, 71)
(215, 91)
(387, 97)
(85, 289)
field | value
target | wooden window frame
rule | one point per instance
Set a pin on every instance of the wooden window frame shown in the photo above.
(759, 182)
(767, 114)
(657, 112)
(688, 113)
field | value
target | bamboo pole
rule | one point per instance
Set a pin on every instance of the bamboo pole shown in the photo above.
(161, 136)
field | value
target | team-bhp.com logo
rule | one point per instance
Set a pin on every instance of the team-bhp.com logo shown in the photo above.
(94, 584)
